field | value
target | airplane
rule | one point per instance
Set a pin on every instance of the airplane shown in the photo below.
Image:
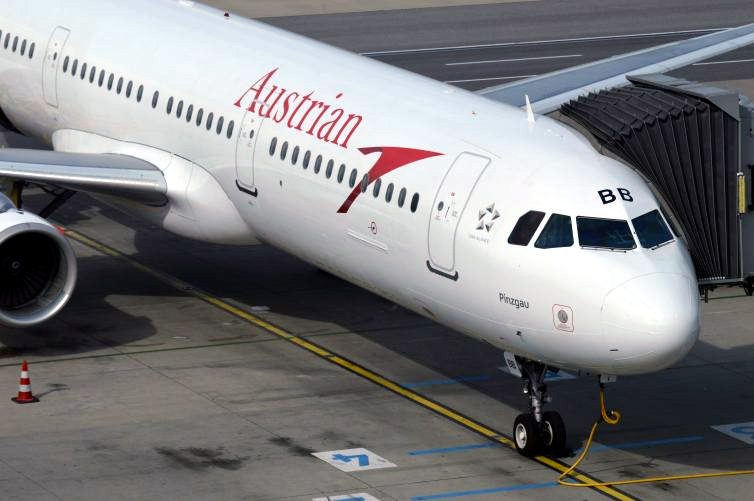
(466, 208)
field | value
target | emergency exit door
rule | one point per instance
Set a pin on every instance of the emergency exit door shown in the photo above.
(450, 204)
(52, 60)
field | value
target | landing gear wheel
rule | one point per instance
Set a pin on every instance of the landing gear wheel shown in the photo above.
(527, 435)
(749, 288)
(553, 433)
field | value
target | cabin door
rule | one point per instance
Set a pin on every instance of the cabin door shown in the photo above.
(450, 204)
(52, 60)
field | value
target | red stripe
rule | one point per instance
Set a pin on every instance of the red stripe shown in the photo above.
(391, 158)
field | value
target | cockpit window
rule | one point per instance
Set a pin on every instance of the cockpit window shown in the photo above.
(526, 227)
(557, 233)
(5, 204)
(604, 233)
(671, 222)
(652, 230)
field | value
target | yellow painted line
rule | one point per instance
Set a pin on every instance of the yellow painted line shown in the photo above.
(340, 361)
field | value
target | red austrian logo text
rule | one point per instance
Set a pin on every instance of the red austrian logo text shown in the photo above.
(302, 111)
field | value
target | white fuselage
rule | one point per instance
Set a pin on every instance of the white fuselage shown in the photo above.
(445, 155)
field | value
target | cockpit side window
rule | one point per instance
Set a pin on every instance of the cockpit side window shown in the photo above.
(526, 227)
(671, 222)
(5, 204)
(599, 233)
(558, 232)
(651, 230)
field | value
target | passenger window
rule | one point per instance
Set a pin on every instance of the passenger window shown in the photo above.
(7, 41)
(611, 234)
(365, 183)
(525, 228)
(15, 44)
(31, 50)
(74, 67)
(190, 113)
(389, 192)
(92, 74)
(376, 188)
(414, 202)
(129, 89)
(139, 93)
(179, 109)
(402, 197)
(200, 116)
(307, 157)
(155, 99)
(119, 87)
(352, 179)
(231, 126)
(558, 232)
(294, 155)
(283, 150)
(341, 173)
(652, 230)
(102, 78)
(83, 71)
(110, 81)
(210, 118)
(170, 105)
(273, 145)
(65, 63)
(220, 123)
(23, 47)
(328, 171)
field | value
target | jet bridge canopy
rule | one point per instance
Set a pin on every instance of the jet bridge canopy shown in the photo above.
(686, 139)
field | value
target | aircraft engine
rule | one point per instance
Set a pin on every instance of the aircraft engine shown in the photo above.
(37, 268)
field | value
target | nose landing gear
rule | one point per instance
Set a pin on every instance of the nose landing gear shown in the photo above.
(538, 432)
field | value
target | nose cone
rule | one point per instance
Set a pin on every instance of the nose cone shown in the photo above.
(650, 322)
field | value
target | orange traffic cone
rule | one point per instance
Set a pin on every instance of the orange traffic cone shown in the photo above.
(24, 387)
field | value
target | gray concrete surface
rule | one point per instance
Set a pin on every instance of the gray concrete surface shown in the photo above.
(277, 8)
(514, 22)
(147, 392)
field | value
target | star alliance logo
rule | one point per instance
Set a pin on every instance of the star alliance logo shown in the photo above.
(487, 218)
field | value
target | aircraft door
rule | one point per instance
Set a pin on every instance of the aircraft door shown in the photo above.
(52, 61)
(450, 203)
(248, 136)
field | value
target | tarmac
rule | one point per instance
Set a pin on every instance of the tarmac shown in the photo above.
(183, 370)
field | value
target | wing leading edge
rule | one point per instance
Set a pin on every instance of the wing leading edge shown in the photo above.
(547, 92)
(107, 174)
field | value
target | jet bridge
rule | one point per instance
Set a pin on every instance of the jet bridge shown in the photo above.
(694, 144)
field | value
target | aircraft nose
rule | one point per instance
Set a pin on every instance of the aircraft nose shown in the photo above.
(651, 322)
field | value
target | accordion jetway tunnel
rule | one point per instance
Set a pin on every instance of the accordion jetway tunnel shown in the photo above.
(695, 146)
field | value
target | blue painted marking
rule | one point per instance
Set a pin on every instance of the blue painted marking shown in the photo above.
(362, 458)
(477, 492)
(647, 443)
(458, 448)
(455, 380)
(744, 430)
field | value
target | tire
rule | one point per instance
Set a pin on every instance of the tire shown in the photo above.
(527, 435)
(553, 433)
(749, 288)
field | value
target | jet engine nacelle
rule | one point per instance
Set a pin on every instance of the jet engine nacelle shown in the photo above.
(37, 268)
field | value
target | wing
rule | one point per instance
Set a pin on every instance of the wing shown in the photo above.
(547, 92)
(119, 175)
